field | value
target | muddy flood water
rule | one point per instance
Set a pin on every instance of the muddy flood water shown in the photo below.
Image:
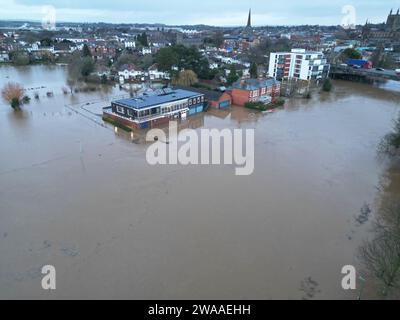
(77, 195)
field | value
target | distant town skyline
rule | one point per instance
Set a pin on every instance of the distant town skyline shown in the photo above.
(208, 12)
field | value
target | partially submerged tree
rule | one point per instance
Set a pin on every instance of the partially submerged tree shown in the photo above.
(381, 255)
(13, 93)
(327, 86)
(390, 144)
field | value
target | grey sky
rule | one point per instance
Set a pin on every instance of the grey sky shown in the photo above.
(211, 12)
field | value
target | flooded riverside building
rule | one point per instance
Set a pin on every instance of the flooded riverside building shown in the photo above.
(255, 90)
(149, 110)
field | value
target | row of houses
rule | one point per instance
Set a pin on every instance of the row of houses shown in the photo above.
(130, 72)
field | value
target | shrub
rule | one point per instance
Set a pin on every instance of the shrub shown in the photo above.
(15, 103)
(280, 102)
(256, 106)
(12, 93)
(327, 86)
(26, 99)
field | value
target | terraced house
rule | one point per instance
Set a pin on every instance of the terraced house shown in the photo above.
(147, 111)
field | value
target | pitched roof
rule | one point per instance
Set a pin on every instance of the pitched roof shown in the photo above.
(209, 94)
(254, 84)
(129, 67)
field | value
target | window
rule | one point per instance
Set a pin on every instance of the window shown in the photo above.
(120, 110)
(198, 100)
(190, 102)
(129, 112)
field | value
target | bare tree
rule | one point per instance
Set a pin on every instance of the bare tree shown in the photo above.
(13, 93)
(381, 255)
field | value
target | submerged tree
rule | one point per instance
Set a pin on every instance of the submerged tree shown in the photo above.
(13, 93)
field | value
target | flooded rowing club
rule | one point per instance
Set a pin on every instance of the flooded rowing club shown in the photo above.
(77, 193)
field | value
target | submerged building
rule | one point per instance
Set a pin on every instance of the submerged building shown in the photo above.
(147, 111)
(255, 90)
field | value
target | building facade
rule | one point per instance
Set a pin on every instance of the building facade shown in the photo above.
(298, 64)
(393, 21)
(147, 111)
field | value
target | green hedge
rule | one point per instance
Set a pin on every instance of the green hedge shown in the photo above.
(257, 106)
(262, 107)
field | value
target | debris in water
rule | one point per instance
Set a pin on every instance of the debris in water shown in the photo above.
(365, 212)
(310, 288)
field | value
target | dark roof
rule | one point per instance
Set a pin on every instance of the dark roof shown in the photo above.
(160, 97)
(209, 94)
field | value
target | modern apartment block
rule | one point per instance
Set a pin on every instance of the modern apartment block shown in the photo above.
(298, 64)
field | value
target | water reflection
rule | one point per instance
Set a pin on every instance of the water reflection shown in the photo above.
(19, 118)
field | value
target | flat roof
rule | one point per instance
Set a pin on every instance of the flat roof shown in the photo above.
(163, 96)
(297, 52)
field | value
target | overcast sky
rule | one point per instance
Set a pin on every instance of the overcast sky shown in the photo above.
(211, 12)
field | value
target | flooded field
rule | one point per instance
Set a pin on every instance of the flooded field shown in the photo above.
(77, 195)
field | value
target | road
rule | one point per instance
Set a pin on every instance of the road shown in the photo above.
(388, 74)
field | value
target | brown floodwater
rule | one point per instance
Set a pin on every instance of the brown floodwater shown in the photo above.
(77, 195)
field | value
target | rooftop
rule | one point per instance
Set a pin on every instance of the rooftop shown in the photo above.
(254, 84)
(209, 94)
(160, 97)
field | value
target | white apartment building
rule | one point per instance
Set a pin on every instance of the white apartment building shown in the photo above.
(298, 64)
(130, 44)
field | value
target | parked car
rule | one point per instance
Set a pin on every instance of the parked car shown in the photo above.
(397, 72)
(380, 69)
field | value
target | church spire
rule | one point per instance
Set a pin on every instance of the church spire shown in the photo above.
(249, 20)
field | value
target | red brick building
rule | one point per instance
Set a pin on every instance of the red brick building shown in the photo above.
(254, 90)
